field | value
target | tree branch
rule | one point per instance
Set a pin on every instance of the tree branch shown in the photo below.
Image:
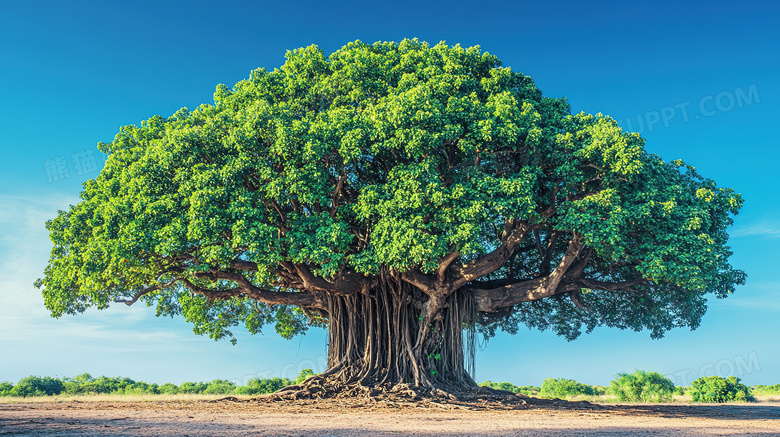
(572, 252)
(444, 264)
(279, 211)
(547, 254)
(496, 299)
(492, 261)
(334, 203)
(240, 264)
(609, 286)
(576, 269)
(419, 280)
(343, 284)
(576, 298)
(145, 292)
(246, 288)
(538, 242)
(529, 290)
(580, 196)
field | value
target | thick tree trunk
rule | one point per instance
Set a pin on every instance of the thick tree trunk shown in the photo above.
(378, 340)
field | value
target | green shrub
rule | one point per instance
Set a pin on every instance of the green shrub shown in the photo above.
(70, 387)
(305, 374)
(528, 390)
(256, 386)
(717, 389)
(220, 387)
(141, 388)
(563, 388)
(37, 386)
(765, 390)
(5, 388)
(192, 388)
(86, 384)
(82, 379)
(108, 385)
(75, 385)
(642, 386)
(168, 389)
(506, 386)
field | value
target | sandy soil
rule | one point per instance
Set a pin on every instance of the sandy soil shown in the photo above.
(328, 418)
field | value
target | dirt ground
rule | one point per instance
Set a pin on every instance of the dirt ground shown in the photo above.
(330, 418)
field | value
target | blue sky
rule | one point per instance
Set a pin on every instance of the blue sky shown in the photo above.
(699, 81)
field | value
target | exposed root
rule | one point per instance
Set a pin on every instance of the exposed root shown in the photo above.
(404, 396)
(335, 386)
(399, 396)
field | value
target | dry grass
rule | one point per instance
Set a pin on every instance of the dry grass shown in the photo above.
(356, 419)
(603, 399)
(115, 398)
(676, 399)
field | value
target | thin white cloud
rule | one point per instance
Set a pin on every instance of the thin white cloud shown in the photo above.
(24, 248)
(26, 326)
(765, 305)
(765, 228)
(763, 286)
(756, 296)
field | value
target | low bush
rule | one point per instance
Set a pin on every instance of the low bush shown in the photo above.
(86, 384)
(642, 386)
(5, 388)
(257, 386)
(563, 388)
(717, 389)
(192, 388)
(141, 388)
(37, 386)
(305, 374)
(528, 390)
(765, 390)
(220, 387)
(168, 389)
